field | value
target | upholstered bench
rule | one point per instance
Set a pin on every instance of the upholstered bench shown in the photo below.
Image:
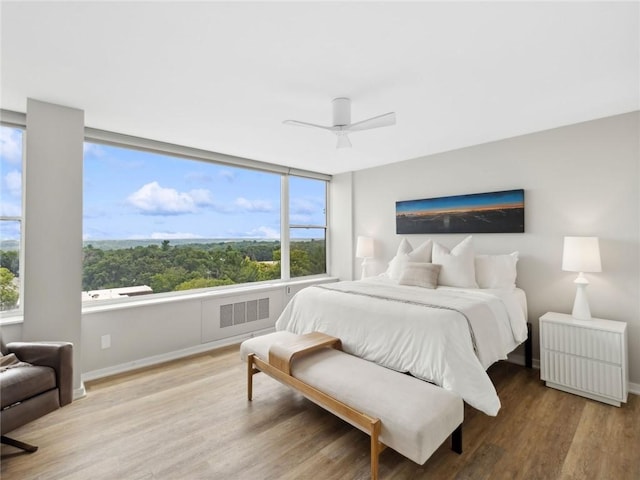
(408, 415)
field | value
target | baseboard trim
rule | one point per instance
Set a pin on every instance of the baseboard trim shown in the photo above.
(166, 357)
(79, 392)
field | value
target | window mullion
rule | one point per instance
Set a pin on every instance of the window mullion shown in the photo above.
(285, 271)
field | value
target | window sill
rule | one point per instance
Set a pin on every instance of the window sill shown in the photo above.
(11, 319)
(158, 299)
(217, 292)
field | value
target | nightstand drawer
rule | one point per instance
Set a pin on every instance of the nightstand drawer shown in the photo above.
(582, 342)
(582, 374)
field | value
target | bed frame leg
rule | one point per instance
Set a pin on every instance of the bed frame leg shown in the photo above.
(456, 439)
(528, 347)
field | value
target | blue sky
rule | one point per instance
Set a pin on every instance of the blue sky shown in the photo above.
(10, 181)
(130, 194)
(461, 201)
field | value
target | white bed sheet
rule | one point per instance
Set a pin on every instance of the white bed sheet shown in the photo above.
(448, 336)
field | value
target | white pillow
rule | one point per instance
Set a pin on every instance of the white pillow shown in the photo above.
(421, 254)
(458, 265)
(404, 247)
(420, 274)
(496, 271)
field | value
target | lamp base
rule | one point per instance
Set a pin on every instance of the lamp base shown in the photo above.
(365, 268)
(581, 310)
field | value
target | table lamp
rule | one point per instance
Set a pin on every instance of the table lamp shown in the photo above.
(364, 250)
(581, 254)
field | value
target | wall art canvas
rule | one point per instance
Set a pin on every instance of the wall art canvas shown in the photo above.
(495, 212)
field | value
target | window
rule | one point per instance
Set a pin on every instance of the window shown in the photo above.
(11, 162)
(307, 226)
(158, 223)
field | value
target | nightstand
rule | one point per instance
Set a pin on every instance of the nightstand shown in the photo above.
(585, 357)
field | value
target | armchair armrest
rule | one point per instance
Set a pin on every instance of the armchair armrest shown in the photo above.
(57, 355)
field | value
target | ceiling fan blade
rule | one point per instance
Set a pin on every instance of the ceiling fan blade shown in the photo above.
(343, 141)
(383, 120)
(306, 124)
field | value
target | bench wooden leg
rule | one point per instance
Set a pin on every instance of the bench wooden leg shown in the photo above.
(250, 371)
(456, 439)
(375, 448)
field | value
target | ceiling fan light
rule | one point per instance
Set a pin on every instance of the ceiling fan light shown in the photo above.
(343, 142)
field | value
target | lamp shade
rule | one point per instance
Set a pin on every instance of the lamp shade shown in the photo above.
(581, 254)
(364, 247)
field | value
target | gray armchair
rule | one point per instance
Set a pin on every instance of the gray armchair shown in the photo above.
(40, 383)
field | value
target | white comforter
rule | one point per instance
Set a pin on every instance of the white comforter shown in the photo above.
(447, 336)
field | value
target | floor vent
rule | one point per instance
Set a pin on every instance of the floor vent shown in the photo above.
(243, 312)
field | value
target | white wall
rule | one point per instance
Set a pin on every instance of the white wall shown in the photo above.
(578, 180)
(53, 225)
(341, 239)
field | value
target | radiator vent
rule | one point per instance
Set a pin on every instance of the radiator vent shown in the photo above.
(243, 312)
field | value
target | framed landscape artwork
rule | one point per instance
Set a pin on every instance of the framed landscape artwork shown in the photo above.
(495, 212)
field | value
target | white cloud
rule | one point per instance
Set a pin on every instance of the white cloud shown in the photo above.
(173, 236)
(11, 144)
(305, 206)
(152, 199)
(300, 219)
(9, 209)
(201, 196)
(263, 232)
(93, 150)
(13, 182)
(253, 205)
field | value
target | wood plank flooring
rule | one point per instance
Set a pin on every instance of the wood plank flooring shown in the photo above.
(189, 419)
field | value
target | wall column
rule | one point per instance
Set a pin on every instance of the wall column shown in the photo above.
(53, 227)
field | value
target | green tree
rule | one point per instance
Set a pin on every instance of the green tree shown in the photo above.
(203, 283)
(169, 279)
(9, 294)
(10, 260)
(300, 263)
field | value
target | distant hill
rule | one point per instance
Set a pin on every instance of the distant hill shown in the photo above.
(117, 244)
(9, 245)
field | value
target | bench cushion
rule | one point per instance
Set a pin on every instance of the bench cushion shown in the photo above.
(417, 417)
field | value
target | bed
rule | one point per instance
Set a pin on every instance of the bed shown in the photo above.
(445, 335)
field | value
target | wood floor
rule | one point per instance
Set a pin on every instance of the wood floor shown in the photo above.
(190, 419)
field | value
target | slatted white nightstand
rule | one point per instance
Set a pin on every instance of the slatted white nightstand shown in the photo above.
(585, 357)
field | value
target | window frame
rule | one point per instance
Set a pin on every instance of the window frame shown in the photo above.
(103, 137)
(17, 121)
(323, 227)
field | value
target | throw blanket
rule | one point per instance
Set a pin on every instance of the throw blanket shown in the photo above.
(444, 336)
(11, 361)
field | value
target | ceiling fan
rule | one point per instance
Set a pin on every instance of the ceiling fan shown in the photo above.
(342, 122)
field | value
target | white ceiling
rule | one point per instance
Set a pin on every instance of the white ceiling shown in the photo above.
(222, 76)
